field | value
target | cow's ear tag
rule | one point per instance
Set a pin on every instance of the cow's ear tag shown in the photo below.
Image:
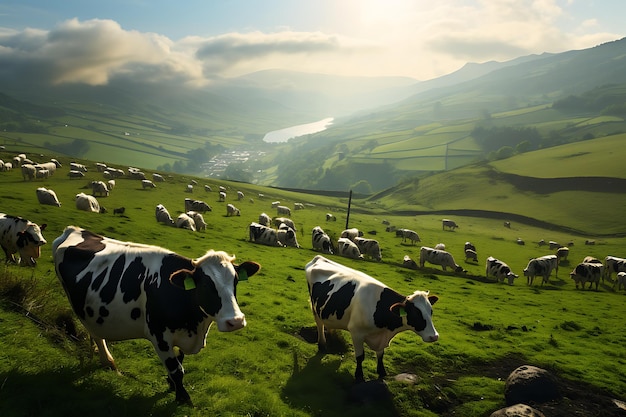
(243, 275)
(189, 283)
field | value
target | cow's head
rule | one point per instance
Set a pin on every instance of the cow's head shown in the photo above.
(419, 314)
(29, 243)
(214, 280)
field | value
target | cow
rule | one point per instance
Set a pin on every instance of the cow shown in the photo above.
(438, 257)
(75, 166)
(42, 173)
(542, 266)
(440, 246)
(184, 221)
(275, 204)
(163, 216)
(450, 224)
(21, 236)
(562, 253)
(88, 203)
(553, 245)
(222, 196)
(222, 189)
(298, 206)
(125, 290)
(352, 233)
(330, 217)
(348, 249)
(101, 167)
(347, 299)
(240, 195)
(189, 189)
(264, 219)
(50, 166)
(47, 197)
(498, 269)
(469, 245)
(613, 264)
(507, 224)
(283, 210)
(471, 255)
(119, 210)
(207, 188)
(409, 234)
(321, 241)
(99, 188)
(28, 171)
(520, 241)
(407, 262)
(620, 281)
(136, 175)
(75, 174)
(147, 184)
(263, 235)
(287, 236)
(369, 247)
(158, 177)
(231, 210)
(110, 184)
(196, 205)
(587, 272)
(198, 220)
(284, 220)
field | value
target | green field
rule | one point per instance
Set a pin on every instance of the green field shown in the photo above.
(268, 369)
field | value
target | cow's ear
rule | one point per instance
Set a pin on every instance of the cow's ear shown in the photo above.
(433, 299)
(247, 269)
(183, 279)
(43, 227)
(398, 309)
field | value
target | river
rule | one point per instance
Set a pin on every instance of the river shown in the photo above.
(283, 135)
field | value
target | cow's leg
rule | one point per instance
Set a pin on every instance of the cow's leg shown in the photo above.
(359, 354)
(105, 356)
(380, 368)
(321, 337)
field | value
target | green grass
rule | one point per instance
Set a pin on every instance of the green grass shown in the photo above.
(266, 369)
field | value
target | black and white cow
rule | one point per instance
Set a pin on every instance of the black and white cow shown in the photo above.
(321, 241)
(438, 257)
(542, 266)
(124, 290)
(196, 205)
(498, 269)
(450, 224)
(277, 221)
(231, 210)
(347, 299)
(163, 216)
(283, 211)
(369, 247)
(620, 281)
(408, 234)
(88, 203)
(265, 219)
(184, 221)
(348, 249)
(99, 188)
(21, 236)
(587, 272)
(263, 235)
(351, 233)
(47, 197)
(198, 219)
(613, 264)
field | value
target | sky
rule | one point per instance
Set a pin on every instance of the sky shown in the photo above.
(197, 42)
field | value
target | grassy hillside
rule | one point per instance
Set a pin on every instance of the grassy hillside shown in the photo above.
(271, 367)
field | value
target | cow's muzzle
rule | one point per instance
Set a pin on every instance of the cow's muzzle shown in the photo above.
(232, 324)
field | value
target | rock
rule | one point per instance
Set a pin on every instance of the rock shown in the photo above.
(406, 378)
(517, 410)
(530, 384)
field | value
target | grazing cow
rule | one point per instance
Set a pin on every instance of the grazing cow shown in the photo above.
(587, 272)
(469, 245)
(407, 262)
(28, 171)
(163, 216)
(136, 175)
(21, 236)
(47, 197)
(124, 290)
(50, 166)
(620, 280)
(352, 233)
(207, 188)
(298, 206)
(562, 253)
(347, 299)
(440, 246)
(321, 241)
(499, 270)
(240, 195)
(222, 196)
(194, 182)
(99, 188)
(553, 245)
(542, 266)
(438, 257)
(196, 205)
(100, 167)
(264, 235)
(75, 174)
(222, 189)
(471, 255)
(280, 220)
(591, 260)
(507, 225)
(330, 217)
(590, 242)
(147, 184)
(450, 224)
(110, 184)
(184, 221)
(287, 236)
(88, 203)
(42, 173)
(75, 166)
(613, 264)
(158, 177)
(408, 234)
(520, 242)
(348, 249)
(283, 210)
(189, 189)
(198, 220)
(275, 204)
(369, 247)
(231, 210)
(265, 220)
(119, 210)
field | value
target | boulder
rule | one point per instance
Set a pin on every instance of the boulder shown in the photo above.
(530, 384)
(517, 410)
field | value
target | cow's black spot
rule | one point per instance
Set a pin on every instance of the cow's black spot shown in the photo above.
(383, 316)
(97, 283)
(414, 317)
(327, 304)
(108, 291)
(100, 320)
(164, 346)
(89, 311)
(135, 313)
(130, 284)
(103, 311)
